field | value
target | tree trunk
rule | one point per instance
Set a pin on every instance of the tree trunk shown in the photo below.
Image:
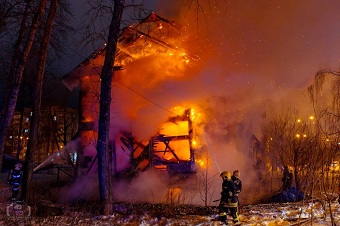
(16, 73)
(34, 125)
(20, 134)
(104, 171)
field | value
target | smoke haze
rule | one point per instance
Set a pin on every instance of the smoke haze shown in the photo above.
(253, 57)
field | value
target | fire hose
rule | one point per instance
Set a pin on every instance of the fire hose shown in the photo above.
(212, 155)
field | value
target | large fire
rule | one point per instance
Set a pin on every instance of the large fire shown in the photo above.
(150, 55)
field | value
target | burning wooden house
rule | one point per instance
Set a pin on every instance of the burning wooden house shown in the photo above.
(171, 149)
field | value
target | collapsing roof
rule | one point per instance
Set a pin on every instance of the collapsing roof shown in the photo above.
(153, 35)
(171, 148)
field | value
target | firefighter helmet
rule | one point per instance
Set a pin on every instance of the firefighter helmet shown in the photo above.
(225, 175)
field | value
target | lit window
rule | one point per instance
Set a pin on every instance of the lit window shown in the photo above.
(54, 118)
(27, 119)
(26, 130)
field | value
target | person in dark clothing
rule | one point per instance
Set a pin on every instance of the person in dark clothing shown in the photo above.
(287, 178)
(237, 181)
(229, 200)
(238, 185)
(14, 179)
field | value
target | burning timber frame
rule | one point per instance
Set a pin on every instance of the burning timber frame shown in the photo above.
(134, 43)
(150, 155)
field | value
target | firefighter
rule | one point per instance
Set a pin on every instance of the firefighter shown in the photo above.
(237, 181)
(229, 201)
(238, 185)
(14, 179)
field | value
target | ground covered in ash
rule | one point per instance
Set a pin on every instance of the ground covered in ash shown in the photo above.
(46, 211)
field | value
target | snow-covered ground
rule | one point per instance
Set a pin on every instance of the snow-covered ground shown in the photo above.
(299, 213)
(283, 214)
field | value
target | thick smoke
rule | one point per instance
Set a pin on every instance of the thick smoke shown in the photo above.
(253, 57)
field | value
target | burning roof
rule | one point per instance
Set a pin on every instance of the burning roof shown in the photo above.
(151, 46)
(153, 35)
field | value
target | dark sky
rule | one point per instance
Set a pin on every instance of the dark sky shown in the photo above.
(78, 52)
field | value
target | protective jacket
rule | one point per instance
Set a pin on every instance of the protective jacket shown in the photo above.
(15, 178)
(228, 194)
(238, 184)
(229, 201)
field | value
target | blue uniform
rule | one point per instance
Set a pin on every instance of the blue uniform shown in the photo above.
(14, 179)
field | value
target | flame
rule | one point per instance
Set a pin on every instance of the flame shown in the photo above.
(201, 163)
(194, 115)
(165, 57)
(161, 167)
(178, 110)
(194, 143)
(181, 148)
(88, 119)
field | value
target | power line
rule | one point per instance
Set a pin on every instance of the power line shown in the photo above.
(134, 91)
(146, 98)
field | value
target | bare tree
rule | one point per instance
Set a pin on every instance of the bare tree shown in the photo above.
(327, 111)
(9, 11)
(206, 180)
(293, 141)
(107, 73)
(17, 69)
(325, 96)
(34, 126)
